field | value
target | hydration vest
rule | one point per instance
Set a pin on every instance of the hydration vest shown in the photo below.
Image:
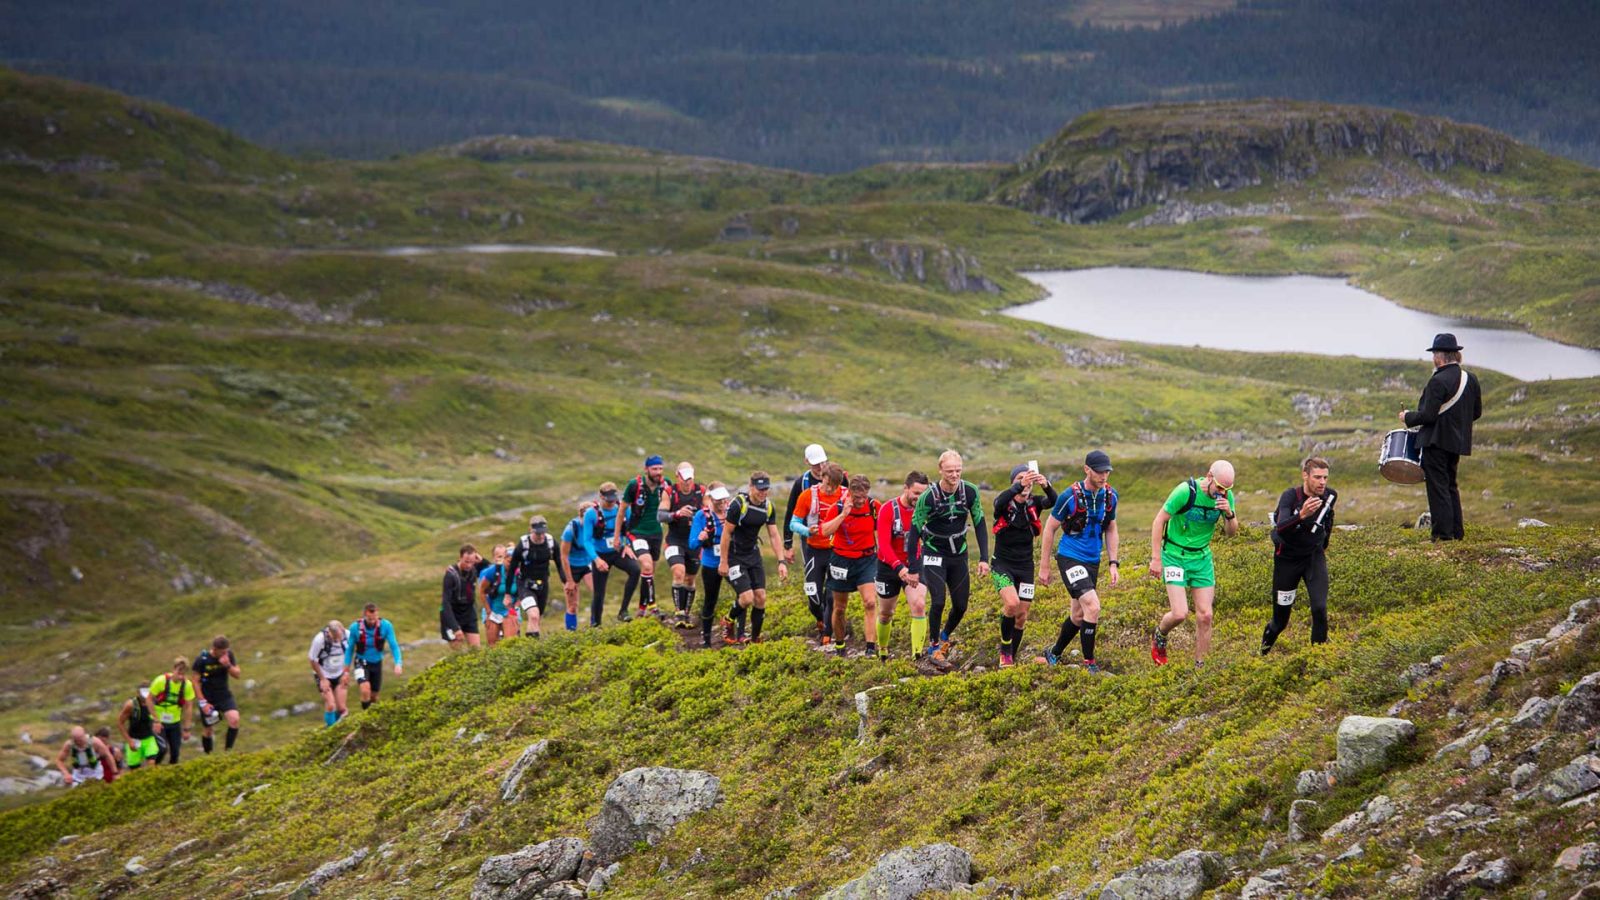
(1031, 511)
(377, 637)
(1081, 501)
(166, 698)
(85, 757)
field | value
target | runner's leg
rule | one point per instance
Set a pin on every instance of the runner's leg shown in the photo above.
(1203, 598)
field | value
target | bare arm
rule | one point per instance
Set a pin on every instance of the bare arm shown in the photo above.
(1047, 540)
(1157, 528)
(832, 525)
(123, 718)
(1113, 542)
(61, 761)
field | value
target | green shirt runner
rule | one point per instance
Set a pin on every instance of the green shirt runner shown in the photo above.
(1186, 551)
(642, 521)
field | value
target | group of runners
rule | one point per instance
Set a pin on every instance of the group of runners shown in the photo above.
(917, 543)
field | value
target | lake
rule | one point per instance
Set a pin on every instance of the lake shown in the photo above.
(1295, 313)
(496, 248)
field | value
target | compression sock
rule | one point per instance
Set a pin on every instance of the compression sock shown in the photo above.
(1008, 627)
(572, 621)
(919, 634)
(647, 590)
(757, 616)
(1069, 630)
(1016, 639)
(233, 735)
(366, 703)
(207, 743)
(688, 600)
(872, 648)
(329, 717)
(1089, 629)
(883, 636)
(740, 615)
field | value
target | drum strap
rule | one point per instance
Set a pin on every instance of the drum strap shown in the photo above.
(1460, 389)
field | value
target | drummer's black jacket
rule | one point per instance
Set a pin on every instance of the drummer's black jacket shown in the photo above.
(1453, 430)
(1295, 539)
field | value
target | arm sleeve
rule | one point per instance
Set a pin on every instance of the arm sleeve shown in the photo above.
(1285, 517)
(976, 505)
(1004, 498)
(887, 551)
(394, 645)
(1427, 411)
(1050, 496)
(663, 515)
(983, 539)
(788, 510)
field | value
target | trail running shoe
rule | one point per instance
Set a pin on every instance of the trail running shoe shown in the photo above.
(624, 616)
(1265, 649)
(727, 630)
(1090, 667)
(1049, 659)
(683, 619)
(1158, 646)
(1006, 659)
(941, 652)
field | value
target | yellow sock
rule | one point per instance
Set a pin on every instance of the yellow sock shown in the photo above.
(883, 638)
(919, 634)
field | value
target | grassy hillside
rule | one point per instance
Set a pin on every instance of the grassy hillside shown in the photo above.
(1051, 778)
(226, 409)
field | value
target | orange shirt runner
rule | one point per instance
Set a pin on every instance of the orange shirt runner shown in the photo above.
(810, 508)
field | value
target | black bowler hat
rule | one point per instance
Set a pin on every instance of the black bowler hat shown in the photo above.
(1444, 343)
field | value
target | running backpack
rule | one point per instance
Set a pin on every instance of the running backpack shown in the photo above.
(1001, 523)
(377, 637)
(327, 650)
(1194, 491)
(1079, 520)
(167, 691)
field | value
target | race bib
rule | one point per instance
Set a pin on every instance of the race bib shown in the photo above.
(882, 588)
(167, 718)
(1286, 598)
(735, 571)
(640, 545)
(839, 573)
(1077, 573)
(1025, 591)
(811, 589)
(933, 560)
(611, 543)
(716, 550)
(1172, 574)
(672, 552)
(529, 603)
(496, 618)
(361, 673)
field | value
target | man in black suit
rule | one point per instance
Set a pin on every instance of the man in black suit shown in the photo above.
(1450, 404)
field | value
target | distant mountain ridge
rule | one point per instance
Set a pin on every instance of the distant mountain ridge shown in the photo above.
(1111, 161)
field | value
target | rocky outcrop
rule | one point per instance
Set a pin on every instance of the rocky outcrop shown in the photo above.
(957, 270)
(908, 872)
(327, 872)
(550, 869)
(644, 804)
(1365, 743)
(1108, 162)
(511, 784)
(1183, 877)
(1580, 709)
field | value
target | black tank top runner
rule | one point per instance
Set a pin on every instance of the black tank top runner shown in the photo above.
(694, 498)
(140, 724)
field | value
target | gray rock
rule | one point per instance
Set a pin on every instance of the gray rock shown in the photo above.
(1495, 874)
(327, 872)
(1526, 650)
(1580, 709)
(1577, 615)
(182, 847)
(1299, 811)
(863, 707)
(1460, 743)
(1523, 775)
(1480, 757)
(135, 866)
(1345, 826)
(1535, 713)
(602, 877)
(644, 804)
(1505, 670)
(1417, 672)
(1366, 742)
(1309, 783)
(1380, 809)
(1353, 853)
(66, 839)
(1183, 877)
(1580, 776)
(907, 872)
(1268, 884)
(1460, 817)
(300, 709)
(535, 871)
(1578, 857)
(281, 713)
(511, 784)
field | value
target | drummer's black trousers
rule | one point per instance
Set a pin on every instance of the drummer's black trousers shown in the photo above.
(1444, 497)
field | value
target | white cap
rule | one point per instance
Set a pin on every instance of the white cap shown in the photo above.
(719, 493)
(686, 472)
(815, 454)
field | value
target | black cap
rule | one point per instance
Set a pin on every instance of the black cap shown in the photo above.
(1098, 461)
(1444, 342)
(761, 484)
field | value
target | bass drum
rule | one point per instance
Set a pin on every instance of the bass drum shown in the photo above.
(1400, 459)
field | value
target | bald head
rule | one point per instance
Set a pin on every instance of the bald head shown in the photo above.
(79, 736)
(1221, 472)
